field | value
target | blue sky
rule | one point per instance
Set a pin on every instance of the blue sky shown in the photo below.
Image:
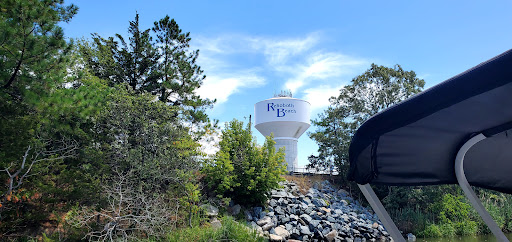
(250, 50)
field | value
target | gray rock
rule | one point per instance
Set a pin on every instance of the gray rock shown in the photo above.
(306, 218)
(263, 221)
(295, 234)
(272, 203)
(284, 219)
(248, 215)
(288, 226)
(305, 230)
(279, 194)
(315, 223)
(291, 210)
(331, 219)
(268, 226)
(215, 224)
(279, 210)
(308, 210)
(210, 210)
(301, 221)
(235, 210)
(257, 212)
(319, 202)
(282, 231)
(273, 237)
(411, 237)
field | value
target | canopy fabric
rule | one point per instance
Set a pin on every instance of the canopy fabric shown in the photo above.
(416, 141)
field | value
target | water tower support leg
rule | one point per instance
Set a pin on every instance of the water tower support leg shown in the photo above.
(381, 212)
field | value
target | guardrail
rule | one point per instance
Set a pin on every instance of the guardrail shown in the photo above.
(312, 171)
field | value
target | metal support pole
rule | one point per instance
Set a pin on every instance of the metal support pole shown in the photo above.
(381, 212)
(470, 194)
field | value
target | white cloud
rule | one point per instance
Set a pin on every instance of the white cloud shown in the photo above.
(318, 97)
(222, 86)
(321, 66)
(234, 62)
(278, 52)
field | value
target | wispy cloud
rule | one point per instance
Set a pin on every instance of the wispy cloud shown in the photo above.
(223, 85)
(278, 52)
(319, 96)
(324, 66)
(234, 62)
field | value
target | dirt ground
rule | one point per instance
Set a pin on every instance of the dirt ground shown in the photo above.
(306, 182)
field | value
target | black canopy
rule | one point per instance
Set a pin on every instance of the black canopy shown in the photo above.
(416, 141)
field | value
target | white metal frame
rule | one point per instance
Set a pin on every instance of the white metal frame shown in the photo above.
(381, 212)
(468, 191)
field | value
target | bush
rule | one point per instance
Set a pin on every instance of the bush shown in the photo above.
(452, 209)
(431, 231)
(243, 171)
(230, 231)
(466, 228)
(447, 229)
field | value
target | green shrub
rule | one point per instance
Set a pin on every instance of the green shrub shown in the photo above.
(466, 228)
(447, 229)
(431, 231)
(452, 209)
(230, 231)
(243, 171)
(411, 220)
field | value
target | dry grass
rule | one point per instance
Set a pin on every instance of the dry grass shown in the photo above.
(306, 182)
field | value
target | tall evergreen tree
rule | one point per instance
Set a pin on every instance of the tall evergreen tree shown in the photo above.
(165, 67)
(32, 45)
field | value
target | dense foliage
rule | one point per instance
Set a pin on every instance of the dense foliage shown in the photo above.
(376, 89)
(243, 171)
(87, 155)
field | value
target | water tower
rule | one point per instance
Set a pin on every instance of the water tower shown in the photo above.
(287, 118)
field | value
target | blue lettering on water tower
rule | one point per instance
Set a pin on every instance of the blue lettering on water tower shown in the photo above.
(270, 106)
(280, 108)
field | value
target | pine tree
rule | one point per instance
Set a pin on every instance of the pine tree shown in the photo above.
(164, 67)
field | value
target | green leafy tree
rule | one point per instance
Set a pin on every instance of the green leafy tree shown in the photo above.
(376, 89)
(243, 171)
(152, 182)
(164, 67)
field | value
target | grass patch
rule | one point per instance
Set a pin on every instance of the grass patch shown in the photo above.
(231, 230)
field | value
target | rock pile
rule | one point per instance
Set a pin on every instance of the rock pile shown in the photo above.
(323, 214)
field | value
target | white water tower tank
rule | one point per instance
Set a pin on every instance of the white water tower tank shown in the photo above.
(287, 118)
